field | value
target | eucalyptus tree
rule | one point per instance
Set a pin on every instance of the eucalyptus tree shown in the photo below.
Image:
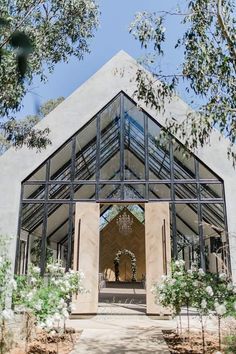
(34, 36)
(22, 131)
(208, 69)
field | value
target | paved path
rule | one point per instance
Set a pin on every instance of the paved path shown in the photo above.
(124, 328)
(116, 334)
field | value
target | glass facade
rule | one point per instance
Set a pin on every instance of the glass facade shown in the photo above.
(119, 156)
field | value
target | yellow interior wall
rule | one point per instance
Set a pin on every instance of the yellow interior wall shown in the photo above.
(111, 241)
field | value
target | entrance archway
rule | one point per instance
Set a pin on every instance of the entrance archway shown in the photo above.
(86, 252)
(117, 263)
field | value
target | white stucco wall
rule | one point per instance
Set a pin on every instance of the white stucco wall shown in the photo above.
(116, 75)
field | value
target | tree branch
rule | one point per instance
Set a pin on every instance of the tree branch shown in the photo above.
(226, 35)
(20, 24)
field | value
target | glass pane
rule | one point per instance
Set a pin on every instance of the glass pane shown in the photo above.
(39, 175)
(110, 191)
(186, 191)
(210, 191)
(137, 211)
(213, 216)
(22, 264)
(60, 167)
(34, 191)
(57, 234)
(159, 191)
(32, 215)
(184, 163)
(134, 191)
(215, 238)
(110, 139)
(84, 191)
(111, 169)
(86, 152)
(59, 191)
(134, 168)
(205, 173)
(159, 156)
(187, 228)
(134, 140)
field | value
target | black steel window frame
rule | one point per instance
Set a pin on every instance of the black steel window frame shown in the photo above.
(122, 182)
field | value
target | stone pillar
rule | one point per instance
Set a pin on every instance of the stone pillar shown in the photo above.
(86, 256)
(158, 251)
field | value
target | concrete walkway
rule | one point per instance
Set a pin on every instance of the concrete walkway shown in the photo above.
(124, 328)
(116, 334)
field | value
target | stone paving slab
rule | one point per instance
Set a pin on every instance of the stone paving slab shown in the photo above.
(111, 333)
(115, 341)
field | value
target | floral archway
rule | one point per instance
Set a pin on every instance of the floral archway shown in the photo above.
(117, 263)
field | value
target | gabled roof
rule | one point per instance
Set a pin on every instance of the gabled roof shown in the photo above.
(116, 75)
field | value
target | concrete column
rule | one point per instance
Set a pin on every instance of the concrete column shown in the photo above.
(86, 256)
(158, 258)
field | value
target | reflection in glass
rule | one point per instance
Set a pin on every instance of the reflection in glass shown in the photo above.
(159, 191)
(86, 152)
(158, 152)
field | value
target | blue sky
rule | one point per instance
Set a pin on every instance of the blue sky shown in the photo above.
(111, 37)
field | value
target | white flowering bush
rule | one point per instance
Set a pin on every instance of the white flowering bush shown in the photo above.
(48, 299)
(7, 282)
(208, 293)
(174, 290)
(7, 286)
(205, 291)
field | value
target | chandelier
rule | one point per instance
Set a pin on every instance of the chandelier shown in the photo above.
(125, 222)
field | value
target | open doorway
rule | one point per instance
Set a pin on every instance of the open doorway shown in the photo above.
(122, 263)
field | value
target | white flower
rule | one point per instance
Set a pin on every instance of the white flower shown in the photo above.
(36, 270)
(161, 298)
(12, 283)
(72, 307)
(201, 271)
(57, 317)
(38, 306)
(187, 294)
(65, 313)
(30, 295)
(209, 291)
(230, 287)
(62, 302)
(196, 283)
(7, 314)
(203, 304)
(41, 325)
(220, 309)
(222, 276)
(33, 280)
(49, 322)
